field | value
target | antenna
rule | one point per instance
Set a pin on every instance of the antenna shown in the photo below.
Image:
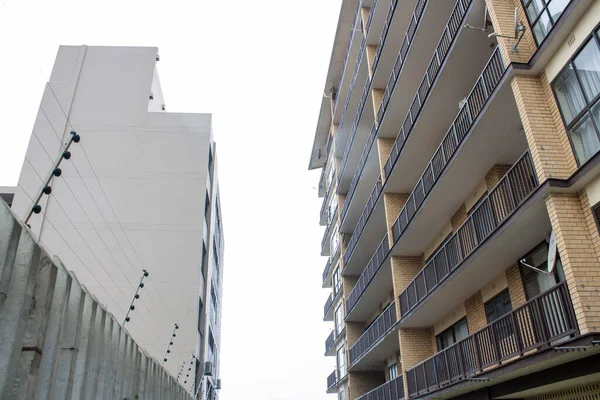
(485, 22)
(519, 28)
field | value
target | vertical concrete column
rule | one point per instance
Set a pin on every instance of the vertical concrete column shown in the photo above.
(103, 367)
(546, 136)
(393, 203)
(502, 15)
(578, 256)
(67, 351)
(80, 373)
(476, 318)
(515, 286)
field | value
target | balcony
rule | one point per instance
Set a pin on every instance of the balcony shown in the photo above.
(377, 343)
(327, 273)
(331, 381)
(486, 131)
(368, 274)
(328, 314)
(391, 390)
(325, 242)
(539, 324)
(351, 54)
(329, 341)
(438, 87)
(508, 221)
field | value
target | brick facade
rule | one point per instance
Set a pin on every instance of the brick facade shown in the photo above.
(459, 217)
(476, 318)
(384, 147)
(547, 144)
(393, 203)
(404, 269)
(495, 174)
(360, 383)
(415, 346)
(578, 256)
(515, 286)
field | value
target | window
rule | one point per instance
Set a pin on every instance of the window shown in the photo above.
(216, 263)
(542, 15)
(455, 333)
(576, 91)
(207, 205)
(342, 393)
(200, 306)
(497, 306)
(213, 300)
(339, 319)
(211, 347)
(535, 282)
(335, 240)
(341, 362)
(203, 266)
(337, 282)
(393, 371)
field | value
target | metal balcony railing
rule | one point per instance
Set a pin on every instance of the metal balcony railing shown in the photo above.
(450, 32)
(350, 90)
(384, 32)
(330, 223)
(329, 341)
(391, 390)
(331, 380)
(352, 33)
(359, 111)
(370, 19)
(364, 217)
(378, 329)
(518, 183)
(485, 85)
(536, 325)
(327, 268)
(328, 304)
(368, 274)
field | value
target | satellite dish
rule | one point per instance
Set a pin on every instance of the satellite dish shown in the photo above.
(551, 261)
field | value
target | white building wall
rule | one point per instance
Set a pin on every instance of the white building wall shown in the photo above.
(130, 198)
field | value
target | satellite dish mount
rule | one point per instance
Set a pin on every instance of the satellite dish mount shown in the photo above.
(551, 263)
(519, 28)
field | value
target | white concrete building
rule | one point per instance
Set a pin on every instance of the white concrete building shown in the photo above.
(139, 192)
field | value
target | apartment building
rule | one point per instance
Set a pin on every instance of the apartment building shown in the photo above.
(137, 193)
(458, 142)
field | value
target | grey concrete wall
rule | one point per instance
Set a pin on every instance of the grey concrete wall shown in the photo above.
(56, 339)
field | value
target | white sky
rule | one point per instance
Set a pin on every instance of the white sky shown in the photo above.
(259, 67)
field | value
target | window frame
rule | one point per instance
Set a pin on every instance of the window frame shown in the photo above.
(530, 252)
(438, 337)
(393, 367)
(501, 293)
(586, 110)
(526, 3)
(594, 208)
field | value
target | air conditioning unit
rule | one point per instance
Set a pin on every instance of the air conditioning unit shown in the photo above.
(208, 368)
(218, 384)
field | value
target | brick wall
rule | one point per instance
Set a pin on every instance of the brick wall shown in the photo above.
(384, 147)
(377, 96)
(515, 286)
(404, 269)
(476, 318)
(360, 383)
(551, 157)
(393, 203)
(354, 330)
(459, 217)
(415, 346)
(495, 174)
(502, 15)
(578, 255)
(371, 52)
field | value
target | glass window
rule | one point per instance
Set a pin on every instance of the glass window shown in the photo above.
(543, 14)
(393, 371)
(342, 393)
(497, 306)
(576, 89)
(455, 333)
(339, 319)
(536, 282)
(337, 281)
(335, 240)
(341, 361)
